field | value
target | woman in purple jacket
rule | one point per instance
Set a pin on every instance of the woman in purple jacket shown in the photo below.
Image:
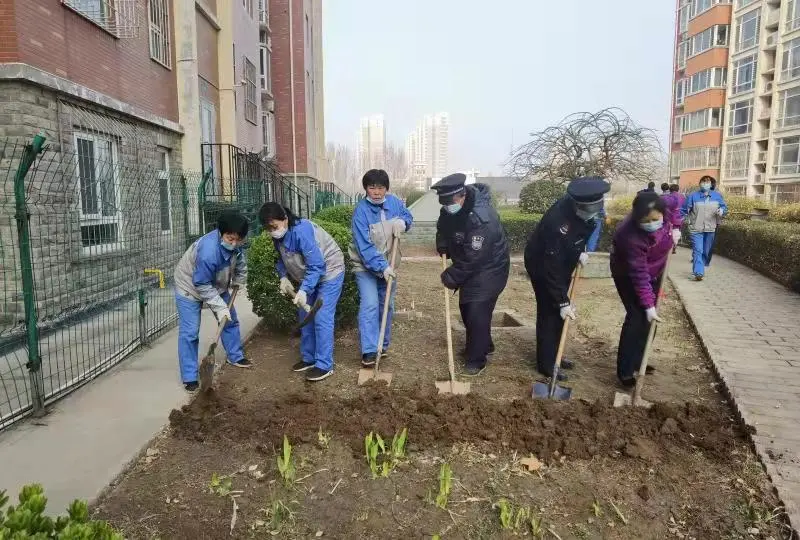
(639, 253)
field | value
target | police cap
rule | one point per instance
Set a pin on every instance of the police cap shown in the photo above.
(449, 186)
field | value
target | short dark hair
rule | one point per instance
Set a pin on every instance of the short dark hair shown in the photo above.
(273, 211)
(674, 188)
(233, 222)
(644, 202)
(651, 185)
(375, 177)
(707, 178)
(664, 187)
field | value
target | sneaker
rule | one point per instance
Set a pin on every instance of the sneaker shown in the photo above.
(301, 366)
(243, 363)
(696, 277)
(567, 364)
(384, 353)
(368, 360)
(317, 374)
(191, 386)
(473, 371)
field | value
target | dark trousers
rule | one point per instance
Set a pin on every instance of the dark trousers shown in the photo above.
(548, 331)
(477, 317)
(633, 337)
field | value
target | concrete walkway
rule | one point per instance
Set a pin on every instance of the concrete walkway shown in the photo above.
(750, 326)
(89, 437)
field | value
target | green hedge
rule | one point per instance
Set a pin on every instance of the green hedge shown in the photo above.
(277, 310)
(787, 213)
(518, 227)
(341, 215)
(537, 197)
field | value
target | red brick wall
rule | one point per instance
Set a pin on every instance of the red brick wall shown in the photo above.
(55, 39)
(281, 86)
(8, 32)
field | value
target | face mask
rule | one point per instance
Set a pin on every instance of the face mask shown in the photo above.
(586, 216)
(652, 226)
(278, 234)
(452, 208)
(227, 245)
(377, 203)
(705, 187)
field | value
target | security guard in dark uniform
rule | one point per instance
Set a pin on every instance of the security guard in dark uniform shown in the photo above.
(469, 232)
(553, 251)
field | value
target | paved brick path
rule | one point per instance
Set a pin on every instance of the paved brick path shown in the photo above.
(750, 326)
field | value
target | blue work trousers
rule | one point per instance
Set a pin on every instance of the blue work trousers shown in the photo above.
(702, 242)
(372, 293)
(316, 338)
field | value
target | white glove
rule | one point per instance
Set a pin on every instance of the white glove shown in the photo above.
(652, 315)
(676, 236)
(300, 299)
(398, 226)
(389, 273)
(223, 315)
(583, 259)
(568, 311)
(720, 212)
(286, 287)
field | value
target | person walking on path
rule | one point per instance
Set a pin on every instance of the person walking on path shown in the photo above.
(554, 249)
(639, 252)
(469, 232)
(205, 275)
(703, 210)
(377, 220)
(674, 200)
(713, 240)
(309, 257)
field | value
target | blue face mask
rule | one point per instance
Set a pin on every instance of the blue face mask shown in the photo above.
(705, 187)
(652, 226)
(228, 246)
(586, 216)
(452, 208)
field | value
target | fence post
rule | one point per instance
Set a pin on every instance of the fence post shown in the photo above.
(185, 201)
(22, 216)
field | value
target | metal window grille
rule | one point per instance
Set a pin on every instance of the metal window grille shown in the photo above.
(250, 92)
(119, 17)
(160, 46)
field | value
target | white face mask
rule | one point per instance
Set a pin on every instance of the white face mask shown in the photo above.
(652, 226)
(278, 234)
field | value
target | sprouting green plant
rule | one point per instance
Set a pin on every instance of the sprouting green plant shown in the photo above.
(758, 516)
(597, 510)
(381, 460)
(220, 486)
(286, 463)
(399, 444)
(324, 439)
(506, 512)
(521, 516)
(445, 484)
(279, 513)
(537, 529)
(374, 447)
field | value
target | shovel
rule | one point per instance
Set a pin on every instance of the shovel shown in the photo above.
(620, 398)
(451, 386)
(207, 363)
(555, 391)
(311, 312)
(369, 374)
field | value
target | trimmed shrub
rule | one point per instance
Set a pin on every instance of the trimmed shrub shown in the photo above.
(342, 215)
(414, 196)
(518, 227)
(276, 310)
(787, 213)
(740, 208)
(620, 205)
(537, 197)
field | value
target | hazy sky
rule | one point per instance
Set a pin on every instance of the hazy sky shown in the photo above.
(501, 68)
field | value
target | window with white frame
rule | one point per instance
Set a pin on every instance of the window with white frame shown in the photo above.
(743, 3)
(268, 126)
(702, 119)
(789, 103)
(740, 118)
(99, 11)
(792, 15)
(265, 61)
(714, 36)
(160, 47)
(683, 18)
(708, 78)
(701, 6)
(250, 92)
(164, 190)
(683, 52)
(98, 183)
(737, 160)
(744, 74)
(787, 156)
(747, 30)
(677, 129)
(680, 90)
(790, 62)
(701, 157)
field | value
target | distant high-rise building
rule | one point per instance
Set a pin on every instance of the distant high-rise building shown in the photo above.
(372, 143)
(427, 147)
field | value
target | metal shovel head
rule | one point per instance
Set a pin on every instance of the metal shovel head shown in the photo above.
(206, 370)
(622, 399)
(368, 374)
(541, 390)
(452, 387)
(311, 313)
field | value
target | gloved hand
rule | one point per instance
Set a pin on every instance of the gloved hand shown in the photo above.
(398, 226)
(223, 315)
(389, 273)
(720, 212)
(652, 315)
(442, 250)
(300, 299)
(447, 281)
(676, 236)
(567, 311)
(286, 287)
(583, 259)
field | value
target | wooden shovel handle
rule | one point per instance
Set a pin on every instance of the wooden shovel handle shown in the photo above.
(450, 360)
(221, 325)
(386, 302)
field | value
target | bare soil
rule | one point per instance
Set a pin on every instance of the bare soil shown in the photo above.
(682, 469)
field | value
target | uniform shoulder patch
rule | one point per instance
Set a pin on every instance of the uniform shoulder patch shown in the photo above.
(477, 243)
(564, 229)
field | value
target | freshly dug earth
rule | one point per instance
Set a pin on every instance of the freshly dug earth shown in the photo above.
(682, 469)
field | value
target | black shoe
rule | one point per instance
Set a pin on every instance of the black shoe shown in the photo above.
(301, 366)
(649, 370)
(368, 360)
(384, 353)
(463, 353)
(191, 386)
(243, 363)
(473, 371)
(317, 374)
(628, 383)
(567, 364)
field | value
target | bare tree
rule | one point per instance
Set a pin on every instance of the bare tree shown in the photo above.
(607, 143)
(396, 164)
(344, 167)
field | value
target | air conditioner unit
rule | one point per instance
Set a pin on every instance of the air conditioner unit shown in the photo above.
(758, 179)
(762, 156)
(768, 87)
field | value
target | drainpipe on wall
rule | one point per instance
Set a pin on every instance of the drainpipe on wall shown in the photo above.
(291, 91)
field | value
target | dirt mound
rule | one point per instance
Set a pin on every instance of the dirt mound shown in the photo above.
(575, 429)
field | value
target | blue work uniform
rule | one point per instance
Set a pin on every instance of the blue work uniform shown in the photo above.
(204, 275)
(701, 213)
(594, 239)
(370, 252)
(311, 258)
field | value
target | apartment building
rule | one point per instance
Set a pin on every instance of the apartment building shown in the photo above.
(736, 108)
(427, 147)
(372, 143)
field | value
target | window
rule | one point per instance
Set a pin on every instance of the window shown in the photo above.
(265, 62)
(700, 6)
(677, 129)
(787, 156)
(792, 15)
(715, 36)
(789, 114)
(790, 63)
(747, 27)
(708, 78)
(164, 190)
(742, 3)
(680, 87)
(701, 157)
(250, 92)
(98, 182)
(99, 11)
(744, 74)
(740, 118)
(268, 126)
(208, 129)
(683, 53)
(702, 119)
(683, 18)
(737, 160)
(160, 47)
